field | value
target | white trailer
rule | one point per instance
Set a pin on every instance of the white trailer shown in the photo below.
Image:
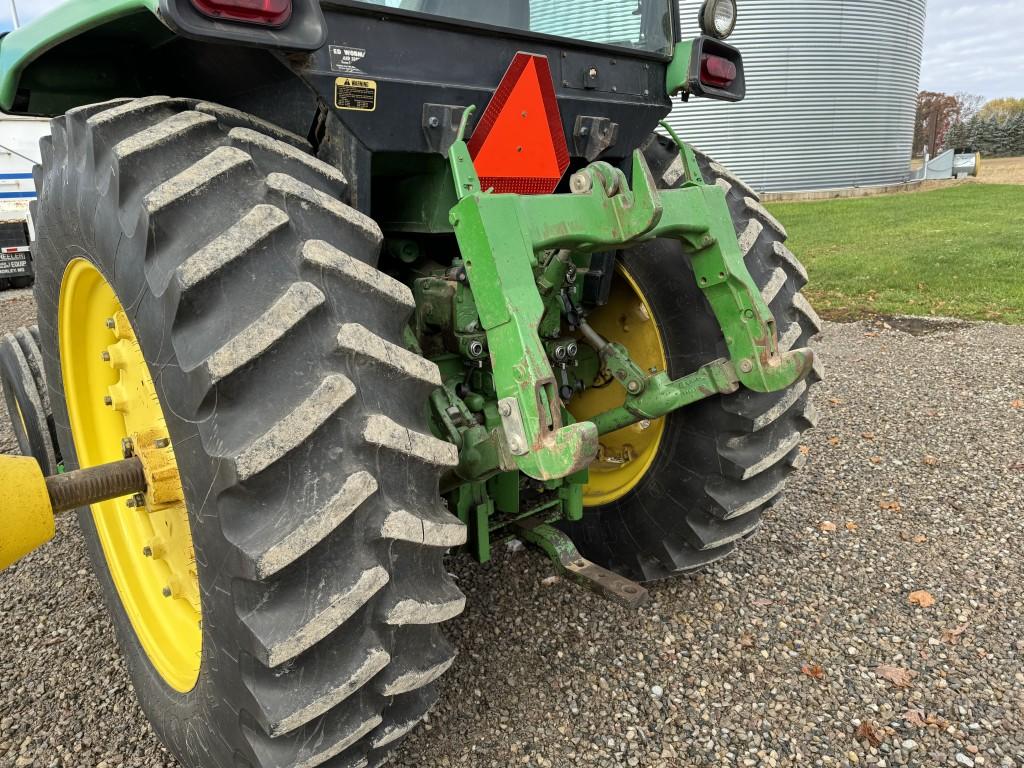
(19, 151)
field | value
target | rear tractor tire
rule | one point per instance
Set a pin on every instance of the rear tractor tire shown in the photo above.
(202, 278)
(23, 380)
(679, 493)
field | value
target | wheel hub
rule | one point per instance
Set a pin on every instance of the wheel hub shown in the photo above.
(114, 411)
(134, 397)
(624, 456)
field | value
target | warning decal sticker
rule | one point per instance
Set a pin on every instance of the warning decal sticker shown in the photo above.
(355, 93)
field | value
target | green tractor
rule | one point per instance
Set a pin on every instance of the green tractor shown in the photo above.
(385, 279)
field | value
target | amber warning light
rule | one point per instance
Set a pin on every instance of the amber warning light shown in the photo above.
(519, 145)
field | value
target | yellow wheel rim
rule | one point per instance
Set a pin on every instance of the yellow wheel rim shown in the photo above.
(148, 548)
(624, 456)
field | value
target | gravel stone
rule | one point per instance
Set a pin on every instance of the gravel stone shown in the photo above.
(551, 675)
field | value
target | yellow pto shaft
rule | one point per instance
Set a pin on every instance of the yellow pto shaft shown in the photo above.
(32, 501)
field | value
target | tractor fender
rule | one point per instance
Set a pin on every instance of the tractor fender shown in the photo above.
(33, 46)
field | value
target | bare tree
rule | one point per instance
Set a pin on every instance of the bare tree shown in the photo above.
(969, 105)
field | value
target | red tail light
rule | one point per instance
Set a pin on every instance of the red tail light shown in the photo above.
(716, 72)
(271, 13)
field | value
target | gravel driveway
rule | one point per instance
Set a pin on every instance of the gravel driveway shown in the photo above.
(802, 650)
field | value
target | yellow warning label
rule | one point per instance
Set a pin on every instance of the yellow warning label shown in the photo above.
(355, 93)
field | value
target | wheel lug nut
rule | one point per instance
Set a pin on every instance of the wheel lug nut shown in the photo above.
(155, 547)
(117, 397)
(109, 322)
(173, 587)
(105, 356)
(136, 501)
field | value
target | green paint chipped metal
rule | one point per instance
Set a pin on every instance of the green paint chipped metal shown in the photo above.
(678, 72)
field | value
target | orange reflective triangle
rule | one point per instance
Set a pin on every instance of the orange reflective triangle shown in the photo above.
(518, 145)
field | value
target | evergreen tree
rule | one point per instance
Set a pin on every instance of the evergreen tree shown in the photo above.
(1015, 134)
(959, 136)
(993, 132)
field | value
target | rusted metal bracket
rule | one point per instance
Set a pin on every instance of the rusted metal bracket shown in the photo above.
(563, 553)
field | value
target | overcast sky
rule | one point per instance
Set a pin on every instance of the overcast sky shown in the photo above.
(970, 45)
(975, 46)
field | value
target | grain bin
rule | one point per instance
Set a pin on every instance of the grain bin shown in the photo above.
(831, 93)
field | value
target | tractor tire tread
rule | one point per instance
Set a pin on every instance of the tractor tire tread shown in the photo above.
(737, 451)
(321, 624)
(21, 394)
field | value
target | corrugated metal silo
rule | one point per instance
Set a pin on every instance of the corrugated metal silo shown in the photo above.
(831, 93)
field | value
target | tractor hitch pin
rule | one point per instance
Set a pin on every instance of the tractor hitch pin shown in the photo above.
(27, 519)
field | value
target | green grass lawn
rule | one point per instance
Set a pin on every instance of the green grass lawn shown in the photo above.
(957, 252)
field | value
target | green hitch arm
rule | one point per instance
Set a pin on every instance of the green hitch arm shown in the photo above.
(500, 260)
(746, 321)
(605, 213)
(499, 237)
(661, 396)
(499, 263)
